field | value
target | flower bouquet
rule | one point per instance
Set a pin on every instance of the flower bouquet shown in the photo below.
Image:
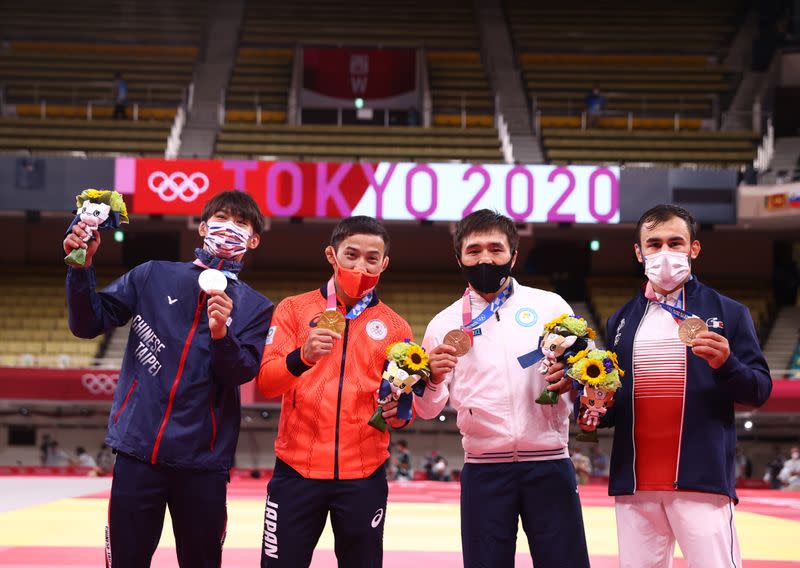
(599, 372)
(561, 338)
(98, 209)
(405, 373)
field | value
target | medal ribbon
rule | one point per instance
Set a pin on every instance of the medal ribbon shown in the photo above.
(677, 313)
(470, 325)
(356, 310)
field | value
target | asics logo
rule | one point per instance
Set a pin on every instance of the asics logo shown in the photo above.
(178, 185)
(376, 520)
(100, 383)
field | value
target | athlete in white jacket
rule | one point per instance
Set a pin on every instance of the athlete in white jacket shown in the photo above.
(517, 462)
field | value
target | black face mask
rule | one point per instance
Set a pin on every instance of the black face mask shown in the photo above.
(487, 278)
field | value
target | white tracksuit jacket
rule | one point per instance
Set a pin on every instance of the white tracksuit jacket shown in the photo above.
(493, 395)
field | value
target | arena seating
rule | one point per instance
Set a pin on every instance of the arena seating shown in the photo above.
(607, 145)
(65, 135)
(257, 98)
(261, 78)
(59, 60)
(657, 69)
(393, 143)
(34, 331)
(448, 24)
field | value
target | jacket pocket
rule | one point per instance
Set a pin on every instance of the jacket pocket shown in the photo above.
(125, 401)
(213, 423)
(464, 420)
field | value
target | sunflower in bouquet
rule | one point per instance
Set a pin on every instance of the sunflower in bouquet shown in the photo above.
(599, 372)
(562, 337)
(405, 373)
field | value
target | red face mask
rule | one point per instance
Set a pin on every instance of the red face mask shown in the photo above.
(355, 283)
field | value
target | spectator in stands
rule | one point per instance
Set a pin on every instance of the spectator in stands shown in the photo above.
(672, 468)
(83, 459)
(105, 460)
(774, 468)
(412, 116)
(325, 356)
(175, 417)
(790, 473)
(594, 103)
(55, 455)
(44, 449)
(582, 465)
(402, 462)
(439, 469)
(744, 467)
(517, 463)
(599, 460)
(120, 95)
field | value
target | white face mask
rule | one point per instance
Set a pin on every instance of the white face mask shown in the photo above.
(226, 239)
(667, 269)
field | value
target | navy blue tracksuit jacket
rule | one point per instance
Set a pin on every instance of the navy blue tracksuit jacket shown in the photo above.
(708, 441)
(177, 401)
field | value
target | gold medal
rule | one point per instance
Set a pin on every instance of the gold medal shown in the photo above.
(332, 320)
(689, 328)
(460, 340)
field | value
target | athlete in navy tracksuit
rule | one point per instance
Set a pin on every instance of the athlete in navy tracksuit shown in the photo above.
(174, 421)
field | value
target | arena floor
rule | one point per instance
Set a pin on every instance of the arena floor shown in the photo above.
(48, 522)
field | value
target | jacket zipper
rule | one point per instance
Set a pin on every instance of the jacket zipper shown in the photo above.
(125, 402)
(213, 423)
(339, 400)
(179, 372)
(510, 395)
(683, 402)
(633, 393)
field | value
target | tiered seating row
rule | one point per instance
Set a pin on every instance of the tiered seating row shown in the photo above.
(568, 146)
(394, 143)
(144, 138)
(448, 24)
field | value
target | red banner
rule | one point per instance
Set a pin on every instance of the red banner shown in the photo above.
(80, 385)
(346, 73)
(88, 385)
(282, 189)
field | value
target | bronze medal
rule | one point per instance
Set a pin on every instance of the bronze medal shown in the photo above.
(460, 340)
(689, 328)
(332, 320)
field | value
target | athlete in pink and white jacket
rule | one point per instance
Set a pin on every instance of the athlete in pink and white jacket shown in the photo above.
(517, 463)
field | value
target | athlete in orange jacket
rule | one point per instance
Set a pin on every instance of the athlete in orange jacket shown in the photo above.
(325, 355)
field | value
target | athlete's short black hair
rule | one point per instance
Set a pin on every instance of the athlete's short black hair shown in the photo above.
(237, 204)
(359, 225)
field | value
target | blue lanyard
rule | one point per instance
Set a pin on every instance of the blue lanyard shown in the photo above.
(487, 313)
(362, 304)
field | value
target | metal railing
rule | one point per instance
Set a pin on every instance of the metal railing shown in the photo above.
(502, 132)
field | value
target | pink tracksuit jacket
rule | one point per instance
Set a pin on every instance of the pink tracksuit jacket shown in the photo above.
(489, 388)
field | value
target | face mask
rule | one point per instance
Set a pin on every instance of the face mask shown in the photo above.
(487, 278)
(355, 283)
(667, 270)
(226, 239)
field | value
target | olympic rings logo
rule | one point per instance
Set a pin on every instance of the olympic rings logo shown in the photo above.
(100, 383)
(178, 185)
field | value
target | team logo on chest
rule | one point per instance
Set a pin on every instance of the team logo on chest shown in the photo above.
(526, 317)
(376, 329)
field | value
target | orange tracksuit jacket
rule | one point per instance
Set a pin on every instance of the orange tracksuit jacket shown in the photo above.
(323, 431)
